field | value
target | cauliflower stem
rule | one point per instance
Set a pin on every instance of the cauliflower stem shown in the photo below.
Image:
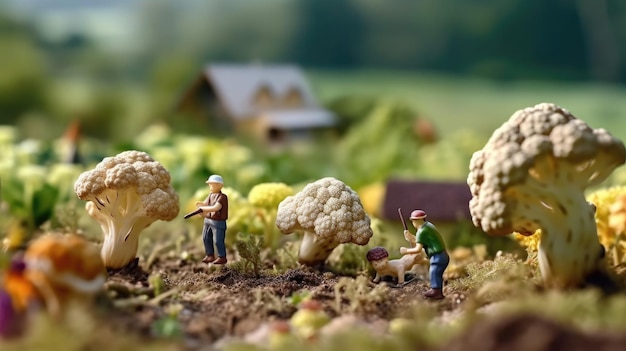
(121, 218)
(314, 250)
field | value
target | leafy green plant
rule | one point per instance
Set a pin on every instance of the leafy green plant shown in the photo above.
(286, 257)
(382, 143)
(169, 326)
(157, 283)
(296, 298)
(249, 248)
(31, 200)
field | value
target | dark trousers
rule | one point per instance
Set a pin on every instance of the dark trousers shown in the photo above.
(214, 230)
(438, 264)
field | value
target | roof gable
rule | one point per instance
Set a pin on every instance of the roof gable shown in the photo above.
(238, 85)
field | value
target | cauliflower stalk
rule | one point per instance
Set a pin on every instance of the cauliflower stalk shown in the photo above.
(532, 174)
(610, 220)
(125, 194)
(330, 213)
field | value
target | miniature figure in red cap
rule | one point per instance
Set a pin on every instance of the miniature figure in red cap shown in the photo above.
(429, 239)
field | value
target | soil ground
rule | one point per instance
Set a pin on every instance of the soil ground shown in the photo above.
(218, 302)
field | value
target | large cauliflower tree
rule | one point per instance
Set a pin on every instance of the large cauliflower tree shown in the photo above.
(532, 174)
(125, 194)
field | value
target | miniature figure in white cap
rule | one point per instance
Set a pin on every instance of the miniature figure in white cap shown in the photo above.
(215, 212)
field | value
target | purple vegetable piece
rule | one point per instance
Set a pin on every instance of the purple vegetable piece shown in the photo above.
(17, 265)
(8, 316)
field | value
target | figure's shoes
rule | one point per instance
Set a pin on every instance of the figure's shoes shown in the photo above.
(435, 294)
(208, 259)
(220, 260)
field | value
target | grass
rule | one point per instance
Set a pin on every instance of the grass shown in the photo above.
(454, 103)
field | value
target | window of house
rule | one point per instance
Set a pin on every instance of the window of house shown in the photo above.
(293, 98)
(264, 97)
(276, 135)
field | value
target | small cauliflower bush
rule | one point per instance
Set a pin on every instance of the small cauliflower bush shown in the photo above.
(125, 194)
(330, 213)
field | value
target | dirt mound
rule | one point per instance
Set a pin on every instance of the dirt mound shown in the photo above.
(526, 332)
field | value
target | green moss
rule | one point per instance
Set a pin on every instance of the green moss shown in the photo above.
(356, 295)
(586, 309)
(79, 330)
(502, 278)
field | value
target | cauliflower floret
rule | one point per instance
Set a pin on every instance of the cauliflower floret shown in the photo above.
(330, 213)
(125, 194)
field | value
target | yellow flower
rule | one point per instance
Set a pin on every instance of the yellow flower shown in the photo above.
(530, 242)
(611, 219)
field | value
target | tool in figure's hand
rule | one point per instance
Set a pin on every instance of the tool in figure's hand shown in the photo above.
(191, 214)
(402, 219)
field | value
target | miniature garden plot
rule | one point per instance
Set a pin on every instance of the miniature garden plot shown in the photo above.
(305, 267)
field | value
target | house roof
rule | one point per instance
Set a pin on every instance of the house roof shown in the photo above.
(237, 85)
(298, 119)
(442, 201)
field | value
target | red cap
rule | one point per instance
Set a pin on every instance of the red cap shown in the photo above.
(418, 214)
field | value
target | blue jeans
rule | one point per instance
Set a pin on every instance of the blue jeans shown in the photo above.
(438, 264)
(214, 228)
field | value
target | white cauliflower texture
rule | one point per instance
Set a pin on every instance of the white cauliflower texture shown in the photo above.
(532, 174)
(330, 213)
(125, 194)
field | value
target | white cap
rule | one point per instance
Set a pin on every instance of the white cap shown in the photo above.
(215, 179)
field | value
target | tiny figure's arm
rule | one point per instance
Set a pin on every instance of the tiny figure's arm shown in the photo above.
(411, 250)
(212, 208)
(409, 237)
(376, 278)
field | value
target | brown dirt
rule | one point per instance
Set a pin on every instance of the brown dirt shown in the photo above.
(221, 301)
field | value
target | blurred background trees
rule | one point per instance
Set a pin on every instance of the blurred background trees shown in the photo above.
(137, 56)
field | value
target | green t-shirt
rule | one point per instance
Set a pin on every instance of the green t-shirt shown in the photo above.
(429, 237)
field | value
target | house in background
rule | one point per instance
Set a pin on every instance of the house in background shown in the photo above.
(269, 102)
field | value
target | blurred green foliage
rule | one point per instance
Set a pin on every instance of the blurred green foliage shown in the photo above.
(383, 141)
(117, 89)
